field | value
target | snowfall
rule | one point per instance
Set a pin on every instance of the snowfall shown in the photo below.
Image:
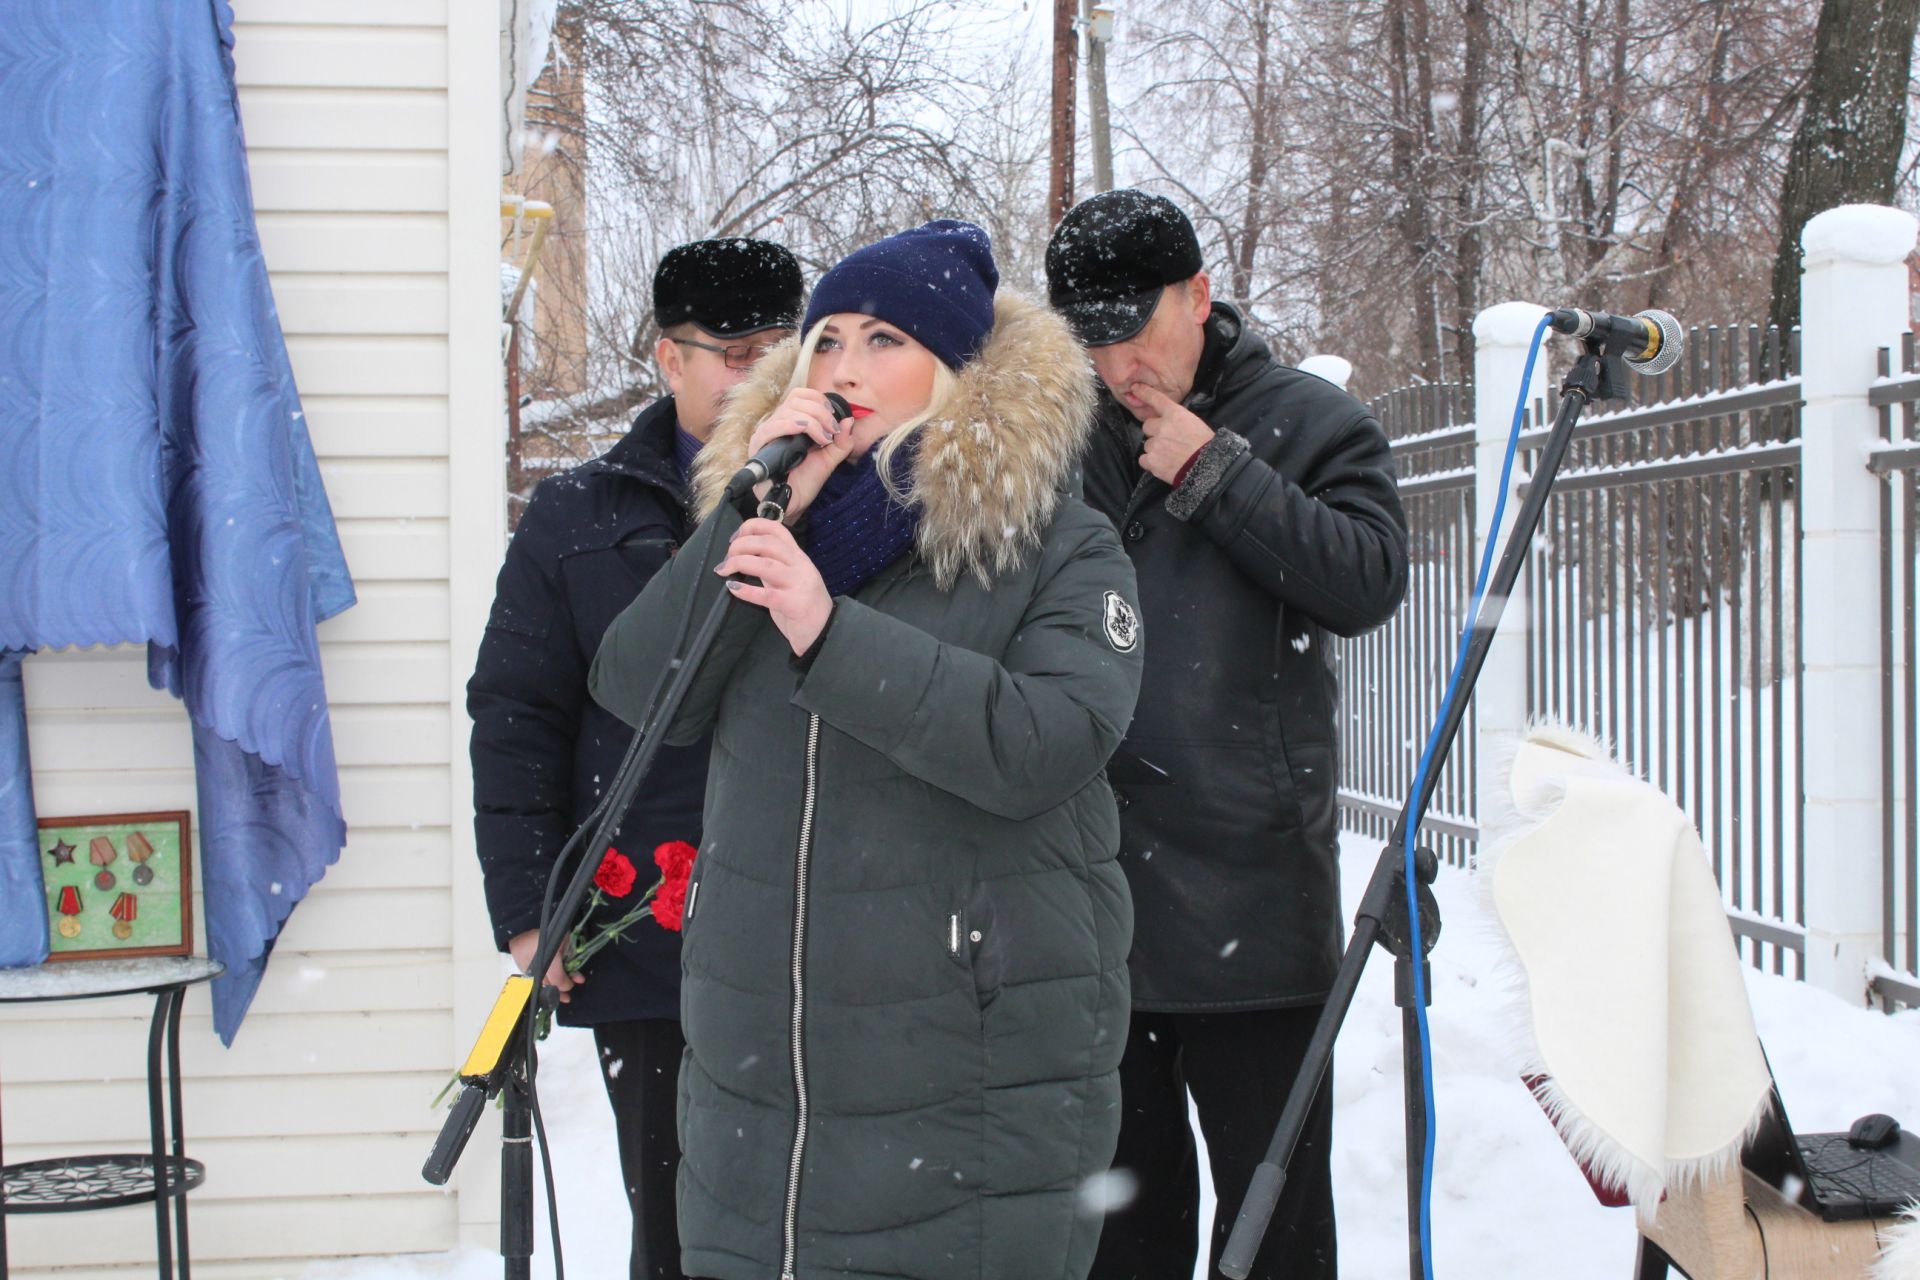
(1507, 1200)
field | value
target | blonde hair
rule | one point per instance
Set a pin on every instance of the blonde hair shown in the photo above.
(946, 384)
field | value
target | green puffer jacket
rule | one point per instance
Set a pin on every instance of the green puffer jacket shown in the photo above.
(905, 985)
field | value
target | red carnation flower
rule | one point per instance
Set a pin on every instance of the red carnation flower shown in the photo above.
(615, 876)
(675, 860)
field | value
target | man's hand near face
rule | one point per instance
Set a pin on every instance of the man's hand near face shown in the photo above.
(1173, 434)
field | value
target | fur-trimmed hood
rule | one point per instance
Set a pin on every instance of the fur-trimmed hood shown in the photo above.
(989, 471)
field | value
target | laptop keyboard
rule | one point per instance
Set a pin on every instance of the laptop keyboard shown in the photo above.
(1844, 1174)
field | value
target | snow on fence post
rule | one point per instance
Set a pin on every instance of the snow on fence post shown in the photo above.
(1501, 336)
(1853, 301)
(1334, 369)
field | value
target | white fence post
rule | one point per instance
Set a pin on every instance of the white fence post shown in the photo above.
(1853, 301)
(1334, 369)
(1501, 336)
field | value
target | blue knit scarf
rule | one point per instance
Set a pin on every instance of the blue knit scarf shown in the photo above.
(855, 528)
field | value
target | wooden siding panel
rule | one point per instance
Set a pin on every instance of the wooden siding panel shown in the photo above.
(377, 426)
(392, 858)
(339, 58)
(397, 610)
(395, 549)
(360, 242)
(354, 13)
(362, 674)
(251, 1168)
(102, 1119)
(381, 796)
(385, 734)
(112, 680)
(281, 118)
(379, 487)
(120, 1242)
(351, 921)
(387, 366)
(344, 1044)
(351, 305)
(349, 181)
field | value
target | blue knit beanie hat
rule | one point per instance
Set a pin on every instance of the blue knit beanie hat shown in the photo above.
(936, 282)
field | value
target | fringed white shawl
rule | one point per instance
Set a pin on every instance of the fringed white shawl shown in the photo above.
(1635, 1006)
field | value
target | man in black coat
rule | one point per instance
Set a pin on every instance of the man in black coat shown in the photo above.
(1258, 506)
(544, 751)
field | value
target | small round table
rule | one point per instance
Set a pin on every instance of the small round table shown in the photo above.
(163, 1172)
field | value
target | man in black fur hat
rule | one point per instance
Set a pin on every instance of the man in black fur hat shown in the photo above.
(1258, 506)
(544, 751)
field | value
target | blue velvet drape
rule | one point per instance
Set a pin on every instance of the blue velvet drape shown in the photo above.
(158, 483)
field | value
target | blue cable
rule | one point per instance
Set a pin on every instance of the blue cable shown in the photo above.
(1419, 785)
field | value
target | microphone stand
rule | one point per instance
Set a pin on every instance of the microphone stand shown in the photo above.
(511, 1074)
(1599, 374)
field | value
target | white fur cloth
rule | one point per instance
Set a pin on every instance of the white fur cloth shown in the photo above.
(1635, 1004)
(1900, 1248)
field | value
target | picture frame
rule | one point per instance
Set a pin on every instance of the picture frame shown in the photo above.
(119, 885)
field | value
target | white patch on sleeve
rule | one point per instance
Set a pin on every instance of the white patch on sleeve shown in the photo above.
(1122, 623)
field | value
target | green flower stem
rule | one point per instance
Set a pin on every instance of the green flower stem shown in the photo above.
(580, 950)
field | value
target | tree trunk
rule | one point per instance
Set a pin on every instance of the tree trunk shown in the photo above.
(1259, 157)
(1847, 149)
(1469, 249)
(1410, 72)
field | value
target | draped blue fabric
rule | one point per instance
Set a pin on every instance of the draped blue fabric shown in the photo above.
(23, 907)
(158, 482)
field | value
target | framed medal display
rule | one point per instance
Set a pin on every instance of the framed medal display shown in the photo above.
(118, 885)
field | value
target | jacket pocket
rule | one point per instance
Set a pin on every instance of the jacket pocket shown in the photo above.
(1280, 768)
(692, 904)
(972, 944)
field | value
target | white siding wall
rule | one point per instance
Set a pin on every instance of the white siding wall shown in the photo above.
(371, 135)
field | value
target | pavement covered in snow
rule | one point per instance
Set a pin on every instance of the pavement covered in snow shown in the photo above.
(1507, 1201)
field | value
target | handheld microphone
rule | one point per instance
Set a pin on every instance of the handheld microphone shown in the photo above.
(781, 456)
(1651, 341)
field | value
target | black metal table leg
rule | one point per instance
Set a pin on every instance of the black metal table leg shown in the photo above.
(179, 1133)
(67, 1184)
(156, 1129)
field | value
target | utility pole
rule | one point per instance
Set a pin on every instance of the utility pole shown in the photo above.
(1060, 172)
(1099, 24)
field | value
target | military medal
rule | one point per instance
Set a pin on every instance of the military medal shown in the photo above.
(126, 908)
(100, 852)
(61, 853)
(139, 849)
(69, 909)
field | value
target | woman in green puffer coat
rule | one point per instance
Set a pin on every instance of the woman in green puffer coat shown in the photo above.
(905, 985)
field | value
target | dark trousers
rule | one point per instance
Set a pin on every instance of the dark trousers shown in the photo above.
(640, 1063)
(1239, 1067)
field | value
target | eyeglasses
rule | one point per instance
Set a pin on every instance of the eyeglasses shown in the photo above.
(741, 355)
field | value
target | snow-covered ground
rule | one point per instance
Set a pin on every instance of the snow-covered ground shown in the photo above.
(1508, 1202)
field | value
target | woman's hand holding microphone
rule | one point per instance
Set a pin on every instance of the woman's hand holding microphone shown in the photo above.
(790, 587)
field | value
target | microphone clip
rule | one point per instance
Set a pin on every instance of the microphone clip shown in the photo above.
(1600, 373)
(774, 505)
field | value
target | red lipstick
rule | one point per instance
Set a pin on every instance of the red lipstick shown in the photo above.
(859, 411)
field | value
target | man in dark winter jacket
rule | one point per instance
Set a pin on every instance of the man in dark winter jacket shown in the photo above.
(1258, 506)
(543, 750)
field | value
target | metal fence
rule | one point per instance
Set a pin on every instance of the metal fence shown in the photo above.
(1662, 610)
(1662, 602)
(1898, 465)
(1391, 678)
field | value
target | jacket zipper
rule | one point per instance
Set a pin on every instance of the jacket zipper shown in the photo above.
(790, 1219)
